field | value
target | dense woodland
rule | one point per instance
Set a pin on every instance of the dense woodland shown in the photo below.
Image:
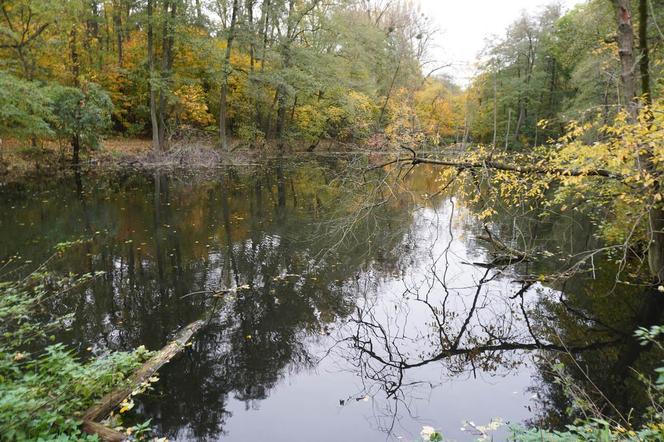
(304, 71)
(557, 67)
(250, 70)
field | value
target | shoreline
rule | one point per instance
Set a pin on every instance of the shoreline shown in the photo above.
(20, 160)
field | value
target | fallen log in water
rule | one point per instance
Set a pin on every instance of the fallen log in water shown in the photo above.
(112, 400)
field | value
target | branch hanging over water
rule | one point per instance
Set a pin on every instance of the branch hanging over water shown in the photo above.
(496, 165)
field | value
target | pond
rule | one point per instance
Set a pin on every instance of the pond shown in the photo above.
(343, 305)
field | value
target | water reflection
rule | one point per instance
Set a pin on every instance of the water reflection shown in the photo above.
(367, 294)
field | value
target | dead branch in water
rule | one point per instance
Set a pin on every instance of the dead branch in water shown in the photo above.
(112, 400)
(514, 254)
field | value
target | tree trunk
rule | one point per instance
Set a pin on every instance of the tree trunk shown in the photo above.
(168, 38)
(113, 399)
(281, 90)
(524, 95)
(281, 120)
(249, 6)
(223, 104)
(507, 133)
(389, 93)
(117, 25)
(644, 53)
(76, 150)
(264, 23)
(495, 107)
(626, 51)
(627, 61)
(75, 61)
(156, 145)
(199, 13)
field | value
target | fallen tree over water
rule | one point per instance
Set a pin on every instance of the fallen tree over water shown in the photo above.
(141, 376)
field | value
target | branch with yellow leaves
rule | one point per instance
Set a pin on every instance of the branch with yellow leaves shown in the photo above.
(414, 160)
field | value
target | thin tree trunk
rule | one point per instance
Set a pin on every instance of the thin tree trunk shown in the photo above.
(495, 107)
(552, 84)
(524, 101)
(199, 13)
(250, 23)
(507, 133)
(281, 91)
(76, 148)
(264, 23)
(156, 145)
(644, 52)
(117, 25)
(389, 93)
(223, 106)
(166, 65)
(75, 60)
(280, 126)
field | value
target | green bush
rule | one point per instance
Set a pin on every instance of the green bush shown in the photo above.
(80, 116)
(24, 109)
(44, 386)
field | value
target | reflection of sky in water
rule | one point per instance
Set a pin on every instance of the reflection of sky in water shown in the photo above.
(437, 269)
(252, 373)
(306, 404)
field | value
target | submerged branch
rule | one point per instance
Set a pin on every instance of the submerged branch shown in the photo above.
(512, 253)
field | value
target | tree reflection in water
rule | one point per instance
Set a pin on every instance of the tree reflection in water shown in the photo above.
(330, 268)
(456, 309)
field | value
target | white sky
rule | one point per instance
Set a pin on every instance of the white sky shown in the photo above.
(466, 24)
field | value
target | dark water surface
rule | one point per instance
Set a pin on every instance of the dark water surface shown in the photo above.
(354, 313)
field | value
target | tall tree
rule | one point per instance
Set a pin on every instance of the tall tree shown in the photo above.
(285, 50)
(646, 162)
(644, 52)
(117, 28)
(169, 16)
(625, 39)
(23, 24)
(156, 143)
(225, 73)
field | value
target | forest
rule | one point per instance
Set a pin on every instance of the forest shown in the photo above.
(245, 72)
(297, 220)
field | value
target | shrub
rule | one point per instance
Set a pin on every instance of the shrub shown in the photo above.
(44, 386)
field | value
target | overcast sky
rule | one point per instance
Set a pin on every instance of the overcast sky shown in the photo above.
(466, 24)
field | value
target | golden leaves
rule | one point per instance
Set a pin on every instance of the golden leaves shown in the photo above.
(192, 105)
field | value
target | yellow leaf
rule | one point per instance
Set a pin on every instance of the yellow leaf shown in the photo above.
(126, 405)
